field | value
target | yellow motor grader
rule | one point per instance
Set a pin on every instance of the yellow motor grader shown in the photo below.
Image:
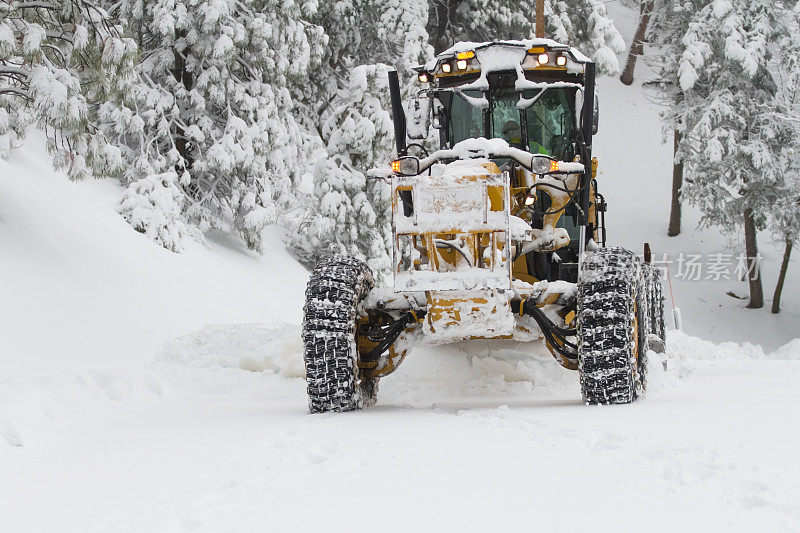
(498, 234)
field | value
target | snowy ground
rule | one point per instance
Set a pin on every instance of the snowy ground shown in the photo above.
(214, 436)
(146, 391)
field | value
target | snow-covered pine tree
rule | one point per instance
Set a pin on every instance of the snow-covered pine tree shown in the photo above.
(785, 222)
(347, 103)
(57, 59)
(669, 23)
(584, 24)
(362, 32)
(209, 132)
(353, 211)
(402, 28)
(733, 147)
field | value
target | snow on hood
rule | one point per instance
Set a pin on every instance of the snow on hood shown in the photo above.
(477, 147)
(469, 167)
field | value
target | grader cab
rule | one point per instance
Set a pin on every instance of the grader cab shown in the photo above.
(500, 233)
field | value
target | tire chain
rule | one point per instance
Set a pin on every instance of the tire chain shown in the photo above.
(336, 286)
(607, 298)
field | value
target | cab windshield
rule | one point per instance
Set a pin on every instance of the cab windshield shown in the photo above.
(545, 127)
(551, 123)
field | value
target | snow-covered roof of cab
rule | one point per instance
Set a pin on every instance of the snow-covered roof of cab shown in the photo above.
(524, 55)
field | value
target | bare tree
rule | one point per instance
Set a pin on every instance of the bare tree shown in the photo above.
(540, 18)
(753, 268)
(776, 298)
(677, 184)
(637, 45)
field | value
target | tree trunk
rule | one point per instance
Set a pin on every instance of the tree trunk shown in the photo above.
(776, 298)
(540, 19)
(182, 145)
(637, 46)
(677, 184)
(753, 270)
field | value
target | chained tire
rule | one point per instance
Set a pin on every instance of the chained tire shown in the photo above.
(654, 292)
(612, 321)
(335, 288)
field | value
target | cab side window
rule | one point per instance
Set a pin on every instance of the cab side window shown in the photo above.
(466, 120)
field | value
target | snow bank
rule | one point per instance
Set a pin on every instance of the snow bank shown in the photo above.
(789, 351)
(274, 348)
(681, 346)
(685, 347)
(243, 362)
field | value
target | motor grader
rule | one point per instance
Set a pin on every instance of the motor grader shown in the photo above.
(500, 233)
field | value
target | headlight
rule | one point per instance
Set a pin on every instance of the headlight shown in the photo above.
(530, 199)
(540, 164)
(406, 166)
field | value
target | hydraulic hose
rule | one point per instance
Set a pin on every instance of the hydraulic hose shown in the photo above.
(553, 334)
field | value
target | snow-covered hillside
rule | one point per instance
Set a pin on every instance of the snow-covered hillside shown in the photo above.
(145, 391)
(82, 291)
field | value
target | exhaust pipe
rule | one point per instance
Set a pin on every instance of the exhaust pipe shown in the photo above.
(398, 114)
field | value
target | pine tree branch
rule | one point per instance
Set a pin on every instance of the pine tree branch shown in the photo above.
(7, 89)
(61, 36)
(11, 70)
(36, 5)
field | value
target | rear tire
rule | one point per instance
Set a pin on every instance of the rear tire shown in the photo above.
(612, 322)
(655, 304)
(336, 287)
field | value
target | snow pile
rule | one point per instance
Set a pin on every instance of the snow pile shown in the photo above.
(476, 372)
(789, 351)
(272, 348)
(685, 347)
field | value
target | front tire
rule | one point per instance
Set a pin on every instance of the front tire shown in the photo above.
(336, 287)
(612, 322)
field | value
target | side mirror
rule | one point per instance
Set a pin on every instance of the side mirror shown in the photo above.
(544, 164)
(595, 114)
(406, 166)
(418, 112)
